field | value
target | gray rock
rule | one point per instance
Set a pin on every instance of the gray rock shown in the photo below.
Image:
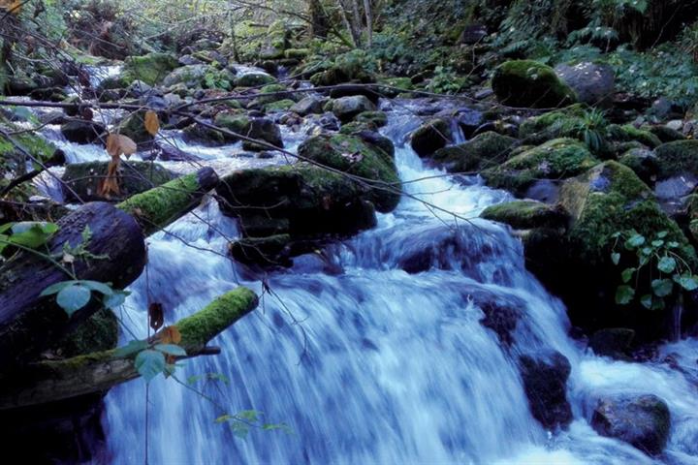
(139, 88)
(255, 79)
(545, 383)
(308, 105)
(190, 75)
(593, 83)
(346, 108)
(642, 421)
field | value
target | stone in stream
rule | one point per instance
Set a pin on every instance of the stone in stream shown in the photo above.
(528, 83)
(593, 83)
(82, 132)
(346, 108)
(308, 105)
(151, 68)
(431, 136)
(483, 151)
(642, 421)
(545, 383)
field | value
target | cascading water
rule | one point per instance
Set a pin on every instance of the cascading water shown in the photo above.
(367, 363)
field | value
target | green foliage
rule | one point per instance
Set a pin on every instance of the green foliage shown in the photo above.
(241, 423)
(74, 295)
(26, 234)
(446, 81)
(653, 260)
(591, 128)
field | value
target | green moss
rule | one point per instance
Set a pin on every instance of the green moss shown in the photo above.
(151, 68)
(431, 136)
(281, 105)
(553, 125)
(526, 214)
(354, 156)
(134, 128)
(254, 80)
(198, 329)
(377, 118)
(610, 198)
(556, 159)
(483, 151)
(234, 121)
(527, 83)
(98, 333)
(677, 158)
(157, 207)
(298, 53)
(665, 134)
(629, 132)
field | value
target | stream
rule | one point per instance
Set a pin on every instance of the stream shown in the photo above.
(364, 362)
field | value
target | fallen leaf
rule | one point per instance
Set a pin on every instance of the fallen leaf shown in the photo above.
(152, 123)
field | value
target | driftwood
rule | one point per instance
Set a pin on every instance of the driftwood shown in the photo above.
(50, 381)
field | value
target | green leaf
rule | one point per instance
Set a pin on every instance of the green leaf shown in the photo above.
(150, 363)
(666, 265)
(662, 287)
(171, 349)
(32, 234)
(673, 245)
(116, 299)
(73, 297)
(615, 258)
(624, 295)
(248, 415)
(687, 281)
(224, 418)
(627, 274)
(56, 288)
(132, 348)
(240, 430)
(657, 244)
(646, 301)
(662, 234)
(635, 241)
(98, 287)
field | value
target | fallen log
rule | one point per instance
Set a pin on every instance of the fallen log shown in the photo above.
(161, 205)
(50, 381)
(30, 323)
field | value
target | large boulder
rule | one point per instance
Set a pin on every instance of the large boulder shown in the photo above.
(431, 136)
(265, 130)
(82, 132)
(346, 108)
(151, 68)
(85, 178)
(593, 83)
(308, 105)
(545, 384)
(483, 151)
(556, 159)
(362, 157)
(642, 421)
(199, 76)
(527, 214)
(254, 79)
(526, 83)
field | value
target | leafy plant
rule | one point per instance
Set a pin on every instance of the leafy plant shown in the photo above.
(446, 81)
(154, 357)
(74, 295)
(657, 261)
(27, 234)
(590, 128)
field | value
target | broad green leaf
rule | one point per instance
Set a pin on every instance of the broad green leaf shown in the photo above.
(646, 301)
(150, 363)
(32, 234)
(687, 281)
(115, 300)
(673, 245)
(132, 348)
(248, 415)
(171, 349)
(624, 295)
(666, 265)
(98, 287)
(657, 243)
(615, 258)
(627, 274)
(73, 297)
(56, 288)
(662, 234)
(662, 287)
(635, 241)
(224, 418)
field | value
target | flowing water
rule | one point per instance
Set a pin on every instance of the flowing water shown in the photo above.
(365, 362)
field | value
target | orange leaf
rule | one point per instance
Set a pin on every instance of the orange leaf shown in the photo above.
(13, 6)
(152, 123)
(110, 185)
(113, 148)
(118, 144)
(170, 335)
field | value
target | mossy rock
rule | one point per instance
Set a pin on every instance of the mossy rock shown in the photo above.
(98, 333)
(431, 136)
(629, 132)
(199, 76)
(14, 163)
(377, 118)
(527, 214)
(346, 108)
(553, 125)
(265, 130)
(297, 53)
(234, 121)
(665, 134)
(256, 79)
(643, 162)
(356, 156)
(85, 178)
(151, 68)
(394, 86)
(484, 151)
(341, 74)
(133, 127)
(677, 158)
(556, 159)
(281, 105)
(196, 133)
(527, 83)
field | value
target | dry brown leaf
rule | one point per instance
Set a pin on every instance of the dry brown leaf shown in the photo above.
(128, 147)
(113, 147)
(170, 335)
(109, 184)
(152, 123)
(13, 6)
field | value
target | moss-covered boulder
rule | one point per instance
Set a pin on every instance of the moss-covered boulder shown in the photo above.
(359, 157)
(200, 76)
(677, 158)
(279, 105)
(133, 127)
(255, 79)
(15, 163)
(151, 68)
(527, 214)
(346, 108)
(526, 83)
(233, 120)
(265, 130)
(431, 136)
(82, 132)
(375, 118)
(628, 132)
(556, 159)
(98, 333)
(565, 122)
(485, 150)
(85, 178)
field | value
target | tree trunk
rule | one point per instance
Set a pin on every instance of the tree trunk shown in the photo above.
(30, 323)
(369, 22)
(51, 381)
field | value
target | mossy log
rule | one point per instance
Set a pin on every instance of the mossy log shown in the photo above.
(161, 205)
(50, 381)
(30, 323)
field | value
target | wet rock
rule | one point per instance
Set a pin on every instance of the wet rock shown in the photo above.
(431, 136)
(593, 83)
(351, 90)
(642, 421)
(151, 68)
(527, 214)
(473, 34)
(199, 134)
(643, 162)
(134, 177)
(544, 190)
(502, 317)
(545, 383)
(666, 134)
(527, 83)
(255, 79)
(612, 342)
(191, 76)
(82, 132)
(53, 117)
(265, 130)
(139, 88)
(484, 151)
(134, 128)
(308, 105)
(376, 118)
(346, 108)
(677, 158)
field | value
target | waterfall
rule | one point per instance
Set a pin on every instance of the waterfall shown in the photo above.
(375, 353)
